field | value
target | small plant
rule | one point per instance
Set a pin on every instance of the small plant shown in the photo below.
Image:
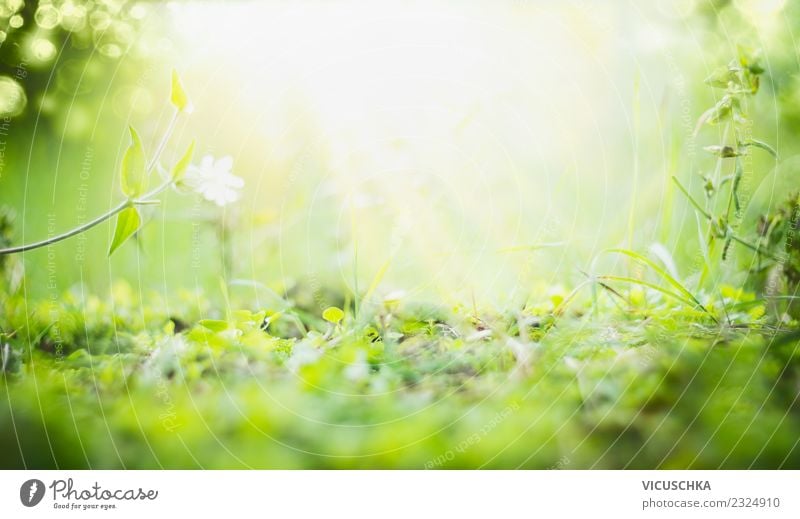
(212, 180)
(723, 207)
(778, 232)
(740, 79)
(676, 290)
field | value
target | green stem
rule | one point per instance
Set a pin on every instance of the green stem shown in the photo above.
(754, 248)
(88, 225)
(733, 199)
(692, 200)
(711, 218)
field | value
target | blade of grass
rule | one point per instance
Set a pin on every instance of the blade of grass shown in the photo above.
(635, 181)
(696, 205)
(376, 280)
(653, 286)
(663, 274)
(658, 270)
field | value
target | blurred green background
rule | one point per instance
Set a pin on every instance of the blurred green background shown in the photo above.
(461, 163)
(441, 143)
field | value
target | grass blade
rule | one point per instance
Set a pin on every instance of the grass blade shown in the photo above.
(686, 295)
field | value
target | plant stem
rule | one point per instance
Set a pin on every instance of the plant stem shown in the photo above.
(102, 218)
(732, 196)
(85, 227)
(81, 228)
(696, 205)
(754, 248)
(710, 218)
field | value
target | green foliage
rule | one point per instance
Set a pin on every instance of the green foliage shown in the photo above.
(645, 369)
(215, 325)
(740, 79)
(178, 96)
(134, 179)
(402, 392)
(773, 244)
(333, 315)
(777, 231)
(134, 174)
(180, 167)
(681, 293)
(128, 222)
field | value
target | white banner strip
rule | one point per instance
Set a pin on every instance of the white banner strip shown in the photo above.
(400, 494)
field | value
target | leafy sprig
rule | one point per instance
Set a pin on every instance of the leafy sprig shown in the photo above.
(135, 172)
(741, 80)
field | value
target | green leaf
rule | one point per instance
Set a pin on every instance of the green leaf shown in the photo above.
(723, 109)
(694, 202)
(178, 96)
(333, 314)
(722, 77)
(652, 286)
(128, 222)
(763, 145)
(753, 81)
(134, 169)
(180, 167)
(750, 59)
(377, 279)
(215, 325)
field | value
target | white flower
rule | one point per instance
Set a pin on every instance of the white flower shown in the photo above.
(214, 181)
(358, 370)
(302, 353)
